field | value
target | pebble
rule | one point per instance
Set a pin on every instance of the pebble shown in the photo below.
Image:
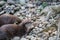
(22, 2)
(53, 38)
(10, 1)
(16, 38)
(23, 39)
(29, 37)
(22, 7)
(40, 25)
(41, 29)
(40, 34)
(30, 5)
(2, 2)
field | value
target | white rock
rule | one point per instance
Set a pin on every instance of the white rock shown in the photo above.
(40, 29)
(30, 5)
(29, 37)
(23, 39)
(53, 38)
(16, 38)
(33, 38)
(22, 7)
(2, 2)
(40, 25)
(55, 33)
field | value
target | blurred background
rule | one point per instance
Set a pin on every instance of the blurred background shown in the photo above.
(45, 13)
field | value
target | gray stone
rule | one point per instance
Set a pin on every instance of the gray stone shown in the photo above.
(2, 12)
(40, 25)
(2, 2)
(30, 5)
(29, 37)
(53, 38)
(22, 2)
(22, 7)
(33, 38)
(10, 1)
(41, 29)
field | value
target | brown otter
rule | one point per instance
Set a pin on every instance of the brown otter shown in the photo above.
(11, 30)
(9, 19)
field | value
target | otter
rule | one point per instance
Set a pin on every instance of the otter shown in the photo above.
(12, 30)
(9, 19)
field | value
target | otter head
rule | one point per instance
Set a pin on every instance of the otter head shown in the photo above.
(28, 24)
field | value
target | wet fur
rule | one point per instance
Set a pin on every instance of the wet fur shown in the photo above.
(11, 30)
(8, 19)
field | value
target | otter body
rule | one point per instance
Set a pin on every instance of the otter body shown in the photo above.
(12, 30)
(8, 19)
